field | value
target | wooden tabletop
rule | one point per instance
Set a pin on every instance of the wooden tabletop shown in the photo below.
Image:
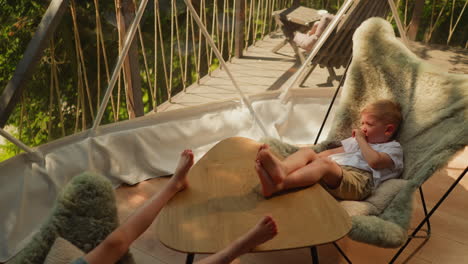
(223, 201)
(302, 15)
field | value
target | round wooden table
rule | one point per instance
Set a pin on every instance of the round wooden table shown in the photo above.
(224, 200)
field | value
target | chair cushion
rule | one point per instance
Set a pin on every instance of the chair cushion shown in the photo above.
(378, 201)
(63, 252)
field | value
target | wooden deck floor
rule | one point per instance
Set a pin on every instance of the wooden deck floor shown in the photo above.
(259, 71)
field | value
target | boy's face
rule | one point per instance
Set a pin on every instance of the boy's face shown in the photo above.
(376, 131)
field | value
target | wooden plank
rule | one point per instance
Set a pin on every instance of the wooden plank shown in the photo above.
(126, 15)
(25, 68)
(239, 29)
(303, 15)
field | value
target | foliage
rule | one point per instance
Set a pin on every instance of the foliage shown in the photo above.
(16, 30)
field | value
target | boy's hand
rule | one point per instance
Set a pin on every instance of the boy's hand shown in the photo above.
(358, 134)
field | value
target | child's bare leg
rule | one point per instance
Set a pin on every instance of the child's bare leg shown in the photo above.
(263, 231)
(322, 25)
(320, 169)
(118, 242)
(299, 159)
(314, 28)
(277, 169)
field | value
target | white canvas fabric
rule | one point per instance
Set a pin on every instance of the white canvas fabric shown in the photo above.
(133, 151)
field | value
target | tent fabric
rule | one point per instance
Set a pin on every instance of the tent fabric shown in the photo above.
(133, 151)
(434, 107)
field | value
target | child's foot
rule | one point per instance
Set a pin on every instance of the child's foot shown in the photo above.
(262, 147)
(263, 231)
(272, 165)
(180, 175)
(268, 186)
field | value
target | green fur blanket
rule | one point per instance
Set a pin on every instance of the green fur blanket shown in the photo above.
(84, 214)
(434, 106)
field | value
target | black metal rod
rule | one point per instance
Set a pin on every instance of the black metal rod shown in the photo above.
(314, 253)
(430, 214)
(333, 101)
(425, 210)
(189, 259)
(342, 253)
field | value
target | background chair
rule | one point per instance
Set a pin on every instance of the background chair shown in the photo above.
(290, 20)
(434, 108)
(337, 49)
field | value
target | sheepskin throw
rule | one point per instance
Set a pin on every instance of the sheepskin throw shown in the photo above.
(434, 128)
(84, 214)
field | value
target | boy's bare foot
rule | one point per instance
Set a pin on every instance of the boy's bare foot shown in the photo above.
(179, 179)
(272, 165)
(262, 147)
(268, 186)
(263, 231)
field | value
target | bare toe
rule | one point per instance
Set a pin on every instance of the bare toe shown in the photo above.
(262, 147)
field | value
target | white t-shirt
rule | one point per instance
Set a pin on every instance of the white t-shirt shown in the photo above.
(353, 157)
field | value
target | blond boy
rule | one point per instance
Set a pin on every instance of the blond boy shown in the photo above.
(349, 172)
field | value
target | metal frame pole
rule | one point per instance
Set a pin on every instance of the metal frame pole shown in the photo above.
(20, 144)
(333, 101)
(127, 43)
(426, 219)
(314, 254)
(342, 253)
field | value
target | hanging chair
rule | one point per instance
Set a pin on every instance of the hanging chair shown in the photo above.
(435, 111)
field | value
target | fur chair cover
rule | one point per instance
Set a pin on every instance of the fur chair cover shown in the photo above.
(434, 128)
(84, 214)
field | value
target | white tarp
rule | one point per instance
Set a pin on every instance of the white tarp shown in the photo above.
(133, 151)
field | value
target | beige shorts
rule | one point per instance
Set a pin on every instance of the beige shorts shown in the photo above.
(356, 184)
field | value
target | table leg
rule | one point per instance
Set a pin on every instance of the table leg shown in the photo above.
(314, 253)
(189, 259)
(342, 253)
